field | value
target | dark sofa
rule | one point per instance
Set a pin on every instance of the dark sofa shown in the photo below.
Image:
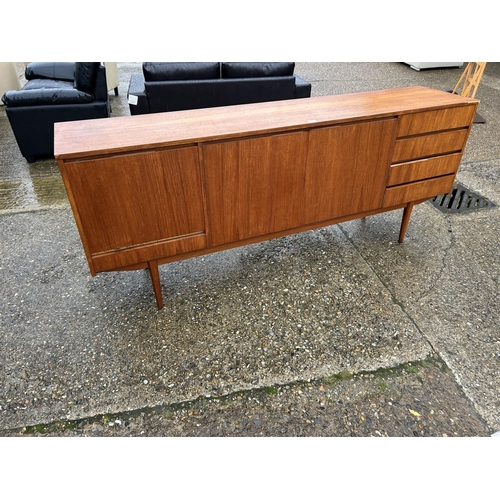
(176, 86)
(54, 92)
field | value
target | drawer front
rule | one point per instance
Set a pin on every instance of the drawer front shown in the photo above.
(423, 169)
(429, 145)
(416, 191)
(431, 121)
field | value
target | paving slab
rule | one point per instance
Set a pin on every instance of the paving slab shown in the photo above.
(296, 308)
(445, 276)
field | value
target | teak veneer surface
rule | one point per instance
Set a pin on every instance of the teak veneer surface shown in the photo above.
(112, 135)
(151, 189)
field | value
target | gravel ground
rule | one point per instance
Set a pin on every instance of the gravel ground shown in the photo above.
(415, 399)
(276, 339)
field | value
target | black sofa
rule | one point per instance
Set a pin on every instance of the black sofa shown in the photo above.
(54, 92)
(176, 86)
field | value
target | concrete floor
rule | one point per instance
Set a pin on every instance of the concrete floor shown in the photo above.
(289, 313)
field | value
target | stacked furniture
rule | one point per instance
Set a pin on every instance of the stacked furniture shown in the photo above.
(169, 86)
(54, 92)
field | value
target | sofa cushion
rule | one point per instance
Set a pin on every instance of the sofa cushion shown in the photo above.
(85, 75)
(256, 69)
(41, 83)
(40, 97)
(165, 71)
(50, 70)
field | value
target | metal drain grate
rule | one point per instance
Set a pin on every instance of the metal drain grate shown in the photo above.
(459, 200)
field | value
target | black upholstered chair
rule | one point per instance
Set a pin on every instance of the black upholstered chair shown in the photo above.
(54, 92)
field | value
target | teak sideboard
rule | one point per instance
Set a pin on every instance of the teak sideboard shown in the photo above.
(150, 189)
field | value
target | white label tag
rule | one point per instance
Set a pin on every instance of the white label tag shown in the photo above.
(132, 99)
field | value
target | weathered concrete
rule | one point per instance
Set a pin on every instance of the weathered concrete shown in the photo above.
(339, 331)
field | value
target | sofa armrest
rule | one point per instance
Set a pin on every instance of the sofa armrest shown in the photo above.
(44, 97)
(136, 95)
(50, 70)
(302, 88)
(100, 90)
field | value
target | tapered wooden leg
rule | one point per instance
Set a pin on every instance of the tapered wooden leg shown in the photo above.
(155, 279)
(404, 222)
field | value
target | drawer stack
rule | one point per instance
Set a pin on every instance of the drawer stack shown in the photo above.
(427, 153)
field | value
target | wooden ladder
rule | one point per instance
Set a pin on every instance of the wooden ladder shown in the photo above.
(470, 79)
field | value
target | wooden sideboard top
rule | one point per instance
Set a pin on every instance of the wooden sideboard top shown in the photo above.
(96, 137)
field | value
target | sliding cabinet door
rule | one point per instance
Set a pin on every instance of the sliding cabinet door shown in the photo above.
(137, 207)
(347, 166)
(254, 186)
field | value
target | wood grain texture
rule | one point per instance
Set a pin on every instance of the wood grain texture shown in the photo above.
(254, 186)
(418, 191)
(423, 169)
(151, 189)
(429, 145)
(347, 168)
(131, 256)
(127, 133)
(125, 201)
(431, 121)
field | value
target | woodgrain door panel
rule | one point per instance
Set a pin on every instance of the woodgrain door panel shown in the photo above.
(125, 201)
(254, 186)
(346, 169)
